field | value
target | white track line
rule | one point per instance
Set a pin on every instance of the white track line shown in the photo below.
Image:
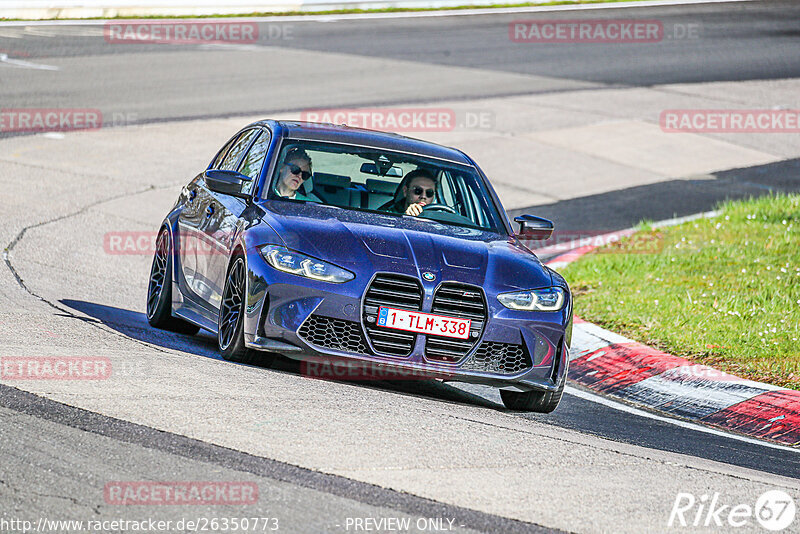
(396, 15)
(681, 220)
(591, 397)
(25, 64)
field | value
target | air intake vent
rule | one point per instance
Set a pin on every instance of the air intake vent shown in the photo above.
(464, 302)
(394, 291)
(336, 334)
(499, 358)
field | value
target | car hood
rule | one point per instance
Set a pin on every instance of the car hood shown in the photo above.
(366, 242)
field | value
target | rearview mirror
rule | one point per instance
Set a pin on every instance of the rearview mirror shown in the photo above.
(371, 168)
(533, 227)
(227, 182)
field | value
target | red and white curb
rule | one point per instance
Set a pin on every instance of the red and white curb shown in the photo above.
(619, 367)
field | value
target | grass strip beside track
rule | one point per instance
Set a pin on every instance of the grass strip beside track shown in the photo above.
(723, 291)
(352, 11)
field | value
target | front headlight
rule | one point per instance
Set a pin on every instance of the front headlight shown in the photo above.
(548, 299)
(289, 261)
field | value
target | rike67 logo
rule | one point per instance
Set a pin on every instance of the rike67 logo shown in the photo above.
(774, 511)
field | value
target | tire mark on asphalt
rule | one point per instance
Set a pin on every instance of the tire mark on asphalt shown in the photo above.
(363, 492)
(64, 311)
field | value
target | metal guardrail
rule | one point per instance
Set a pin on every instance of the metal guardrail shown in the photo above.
(43, 9)
(83, 9)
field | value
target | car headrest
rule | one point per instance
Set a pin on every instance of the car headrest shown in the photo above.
(381, 186)
(322, 179)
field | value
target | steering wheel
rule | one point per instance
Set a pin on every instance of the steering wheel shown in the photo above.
(439, 207)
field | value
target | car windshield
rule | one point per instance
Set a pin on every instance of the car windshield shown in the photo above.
(371, 179)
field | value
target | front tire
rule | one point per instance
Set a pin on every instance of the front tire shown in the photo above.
(159, 290)
(230, 331)
(533, 401)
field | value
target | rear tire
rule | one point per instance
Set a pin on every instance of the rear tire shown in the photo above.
(533, 401)
(230, 331)
(159, 290)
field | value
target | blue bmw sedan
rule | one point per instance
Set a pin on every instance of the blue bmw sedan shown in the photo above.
(321, 242)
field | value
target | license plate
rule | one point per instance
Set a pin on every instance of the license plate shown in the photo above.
(424, 323)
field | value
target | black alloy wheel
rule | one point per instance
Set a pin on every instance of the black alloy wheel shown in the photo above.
(159, 290)
(230, 335)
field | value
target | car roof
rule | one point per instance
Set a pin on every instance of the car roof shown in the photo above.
(315, 131)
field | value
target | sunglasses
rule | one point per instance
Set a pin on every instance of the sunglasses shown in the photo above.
(297, 170)
(428, 192)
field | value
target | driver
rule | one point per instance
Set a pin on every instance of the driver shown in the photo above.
(419, 191)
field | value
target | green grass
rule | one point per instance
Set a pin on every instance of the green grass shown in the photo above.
(350, 11)
(723, 291)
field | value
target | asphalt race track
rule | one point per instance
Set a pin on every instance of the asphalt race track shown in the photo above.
(570, 132)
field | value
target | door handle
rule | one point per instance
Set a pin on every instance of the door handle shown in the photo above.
(209, 211)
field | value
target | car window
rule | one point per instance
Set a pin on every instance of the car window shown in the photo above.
(233, 155)
(371, 179)
(221, 154)
(473, 204)
(446, 189)
(254, 160)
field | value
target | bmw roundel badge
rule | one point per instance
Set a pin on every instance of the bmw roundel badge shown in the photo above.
(430, 277)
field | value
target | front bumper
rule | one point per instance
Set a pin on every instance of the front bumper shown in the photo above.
(307, 320)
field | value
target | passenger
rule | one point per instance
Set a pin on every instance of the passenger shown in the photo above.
(419, 190)
(293, 176)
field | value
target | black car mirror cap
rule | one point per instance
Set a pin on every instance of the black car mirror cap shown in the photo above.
(227, 182)
(533, 227)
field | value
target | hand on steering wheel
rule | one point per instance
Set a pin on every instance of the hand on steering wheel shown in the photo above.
(414, 209)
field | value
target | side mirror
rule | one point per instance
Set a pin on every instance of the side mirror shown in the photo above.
(532, 227)
(227, 182)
